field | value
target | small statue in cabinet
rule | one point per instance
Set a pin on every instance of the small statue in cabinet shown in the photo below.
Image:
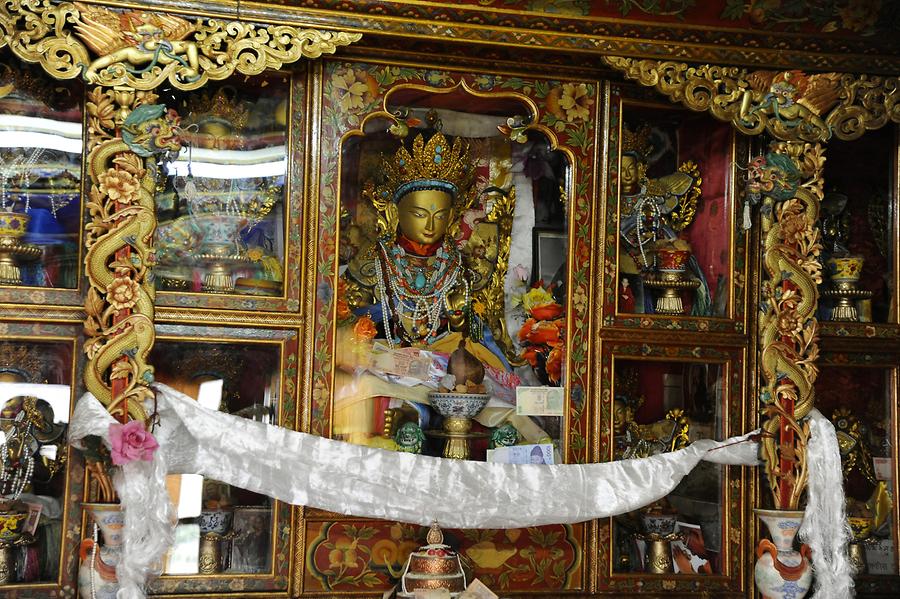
(652, 214)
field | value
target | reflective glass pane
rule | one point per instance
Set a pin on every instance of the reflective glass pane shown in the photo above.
(675, 213)
(859, 401)
(35, 402)
(40, 177)
(858, 213)
(222, 211)
(451, 305)
(221, 529)
(660, 407)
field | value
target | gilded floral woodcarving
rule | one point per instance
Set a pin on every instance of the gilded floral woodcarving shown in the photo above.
(142, 50)
(119, 238)
(789, 105)
(789, 181)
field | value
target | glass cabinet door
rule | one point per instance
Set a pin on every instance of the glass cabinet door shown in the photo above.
(226, 212)
(676, 247)
(37, 363)
(860, 399)
(661, 399)
(455, 235)
(41, 146)
(226, 535)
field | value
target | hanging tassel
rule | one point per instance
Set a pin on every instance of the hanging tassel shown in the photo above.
(747, 221)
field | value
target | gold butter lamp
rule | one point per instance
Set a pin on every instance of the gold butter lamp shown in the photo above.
(458, 410)
(845, 272)
(215, 527)
(861, 530)
(659, 532)
(12, 249)
(671, 279)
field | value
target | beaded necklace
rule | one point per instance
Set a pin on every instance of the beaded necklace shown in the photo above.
(652, 203)
(417, 293)
(8, 172)
(14, 478)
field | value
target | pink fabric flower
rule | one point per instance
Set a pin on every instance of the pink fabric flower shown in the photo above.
(131, 441)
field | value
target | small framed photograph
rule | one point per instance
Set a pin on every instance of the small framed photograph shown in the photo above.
(251, 546)
(549, 254)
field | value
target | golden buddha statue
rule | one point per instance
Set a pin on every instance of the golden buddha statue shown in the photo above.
(653, 210)
(414, 279)
(419, 284)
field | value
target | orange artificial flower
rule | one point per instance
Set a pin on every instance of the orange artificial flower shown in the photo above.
(547, 311)
(544, 332)
(554, 363)
(364, 329)
(530, 354)
(526, 329)
(343, 310)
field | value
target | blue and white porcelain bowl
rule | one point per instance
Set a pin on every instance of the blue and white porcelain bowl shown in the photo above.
(458, 405)
(215, 521)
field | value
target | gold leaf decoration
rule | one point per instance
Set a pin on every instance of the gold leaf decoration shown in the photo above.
(790, 105)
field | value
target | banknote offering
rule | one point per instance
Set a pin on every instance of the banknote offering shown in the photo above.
(522, 454)
(404, 362)
(432, 594)
(477, 590)
(540, 401)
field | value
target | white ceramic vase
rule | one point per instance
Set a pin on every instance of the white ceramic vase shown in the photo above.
(782, 572)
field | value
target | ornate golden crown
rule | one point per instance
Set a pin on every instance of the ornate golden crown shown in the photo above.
(221, 106)
(22, 360)
(433, 165)
(637, 142)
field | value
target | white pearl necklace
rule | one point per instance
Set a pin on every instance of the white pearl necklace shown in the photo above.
(650, 201)
(10, 169)
(13, 481)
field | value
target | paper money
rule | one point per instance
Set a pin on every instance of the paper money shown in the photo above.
(522, 454)
(477, 590)
(540, 401)
(406, 362)
(432, 594)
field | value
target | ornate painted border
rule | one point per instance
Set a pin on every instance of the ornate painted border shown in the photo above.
(576, 37)
(508, 561)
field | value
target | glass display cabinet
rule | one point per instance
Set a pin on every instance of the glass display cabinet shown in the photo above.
(663, 398)
(233, 195)
(431, 294)
(37, 368)
(858, 393)
(227, 536)
(41, 148)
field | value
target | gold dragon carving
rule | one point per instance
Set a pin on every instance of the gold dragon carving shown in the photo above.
(789, 105)
(141, 49)
(789, 179)
(119, 240)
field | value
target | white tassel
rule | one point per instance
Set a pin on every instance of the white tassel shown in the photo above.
(825, 528)
(747, 222)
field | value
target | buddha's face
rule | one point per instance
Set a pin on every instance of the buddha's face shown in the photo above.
(423, 216)
(630, 173)
(621, 416)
